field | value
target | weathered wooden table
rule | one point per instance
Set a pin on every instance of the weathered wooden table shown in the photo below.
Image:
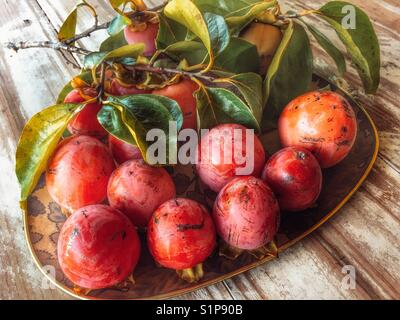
(365, 234)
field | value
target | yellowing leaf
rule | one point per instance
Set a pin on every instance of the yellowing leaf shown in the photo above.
(210, 29)
(117, 3)
(238, 22)
(272, 70)
(186, 13)
(93, 60)
(38, 140)
(68, 28)
(237, 13)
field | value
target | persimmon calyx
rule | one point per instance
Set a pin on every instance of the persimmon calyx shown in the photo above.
(268, 250)
(80, 290)
(193, 274)
(231, 253)
(228, 251)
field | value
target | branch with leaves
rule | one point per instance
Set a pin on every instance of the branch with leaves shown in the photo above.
(66, 37)
(248, 60)
(167, 71)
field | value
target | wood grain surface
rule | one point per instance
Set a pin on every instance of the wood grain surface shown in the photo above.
(365, 234)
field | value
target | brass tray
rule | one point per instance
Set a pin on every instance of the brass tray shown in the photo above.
(44, 219)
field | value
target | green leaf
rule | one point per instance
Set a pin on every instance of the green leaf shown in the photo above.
(129, 118)
(240, 19)
(249, 86)
(169, 32)
(329, 47)
(117, 24)
(165, 63)
(85, 76)
(223, 7)
(119, 122)
(289, 74)
(187, 14)
(210, 29)
(237, 13)
(193, 51)
(361, 43)
(113, 42)
(218, 31)
(239, 56)
(218, 105)
(38, 140)
(93, 60)
(68, 28)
